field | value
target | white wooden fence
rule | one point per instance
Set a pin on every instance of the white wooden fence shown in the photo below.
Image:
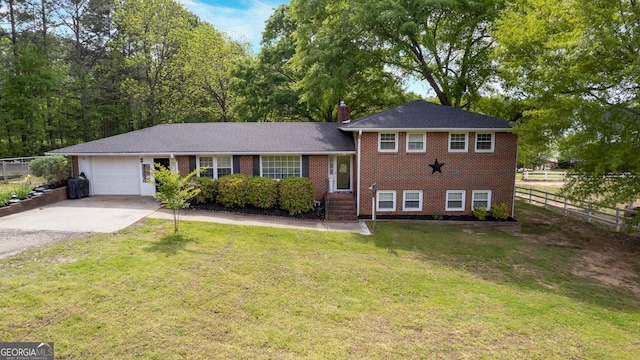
(613, 217)
(544, 175)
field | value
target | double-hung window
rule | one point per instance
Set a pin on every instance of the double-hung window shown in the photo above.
(387, 142)
(280, 167)
(217, 166)
(416, 142)
(386, 200)
(458, 142)
(481, 198)
(412, 200)
(455, 200)
(484, 142)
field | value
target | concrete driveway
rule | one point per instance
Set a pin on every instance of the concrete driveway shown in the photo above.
(101, 214)
(70, 219)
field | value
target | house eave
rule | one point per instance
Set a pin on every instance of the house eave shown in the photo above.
(427, 129)
(198, 153)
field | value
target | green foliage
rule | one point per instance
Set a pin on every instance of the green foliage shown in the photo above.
(4, 198)
(174, 191)
(500, 212)
(54, 169)
(480, 212)
(296, 195)
(262, 192)
(232, 190)
(437, 216)
(23, 191)
(578, 64)
(208, 190)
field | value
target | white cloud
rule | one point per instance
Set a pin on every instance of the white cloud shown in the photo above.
(244, 25)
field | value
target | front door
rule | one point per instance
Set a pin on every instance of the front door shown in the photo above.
(343, 173)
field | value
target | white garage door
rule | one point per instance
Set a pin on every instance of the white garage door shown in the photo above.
(116, 176)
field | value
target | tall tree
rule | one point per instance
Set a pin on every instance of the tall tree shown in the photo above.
(150, 33)
(579, 61)
(294, 82)
(445, 43)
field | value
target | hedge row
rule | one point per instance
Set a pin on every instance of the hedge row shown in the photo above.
(294, 195)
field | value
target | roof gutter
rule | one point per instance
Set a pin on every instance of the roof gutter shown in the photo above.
(425, 129)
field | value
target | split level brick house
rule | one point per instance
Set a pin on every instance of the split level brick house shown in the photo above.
(423, 158)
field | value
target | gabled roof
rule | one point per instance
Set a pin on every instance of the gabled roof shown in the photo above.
(422, 115)
(227, 138)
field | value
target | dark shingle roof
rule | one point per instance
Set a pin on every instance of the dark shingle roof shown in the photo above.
(420, 114)
(230, 138)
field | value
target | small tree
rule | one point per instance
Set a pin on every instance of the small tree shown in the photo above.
(174, 191)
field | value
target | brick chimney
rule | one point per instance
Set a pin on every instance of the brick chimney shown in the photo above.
(344, 113)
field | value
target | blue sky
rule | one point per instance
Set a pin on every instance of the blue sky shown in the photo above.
(243, 20)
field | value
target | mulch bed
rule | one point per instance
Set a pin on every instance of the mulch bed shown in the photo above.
(250, 210)
(430, 217)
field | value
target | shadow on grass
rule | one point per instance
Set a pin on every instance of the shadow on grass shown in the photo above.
(170, 244)
(502, 258)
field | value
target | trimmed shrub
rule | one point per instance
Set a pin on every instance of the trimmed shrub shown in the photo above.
(480, 212)
(296, 195)
(500, 212)
(232, 190)
(262, 192)
(54, 169)
(208, 190)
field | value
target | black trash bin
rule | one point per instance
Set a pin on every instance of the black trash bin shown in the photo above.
(78, 187)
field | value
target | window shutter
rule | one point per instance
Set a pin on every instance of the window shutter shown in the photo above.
(192, 163)
(235, 167)
(256, 165)
(305, 165)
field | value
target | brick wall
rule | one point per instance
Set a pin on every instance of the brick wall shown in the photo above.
(462, 171)
(319, 174)
(183, 165)
(246, 164)
(75, 168)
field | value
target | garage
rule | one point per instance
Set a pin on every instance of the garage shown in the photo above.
(115, 175)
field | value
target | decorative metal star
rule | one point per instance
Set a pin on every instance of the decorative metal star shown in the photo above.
(436, 167)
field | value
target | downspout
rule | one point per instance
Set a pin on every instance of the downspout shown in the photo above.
(358, 161)
(513, 200)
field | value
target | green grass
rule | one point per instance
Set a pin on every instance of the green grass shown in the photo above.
(231, 292)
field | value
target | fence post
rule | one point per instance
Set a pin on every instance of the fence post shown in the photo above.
(546, 200)
(530, 195)
(4, 172)
(588, 211)
(617, 220)
(566, 199)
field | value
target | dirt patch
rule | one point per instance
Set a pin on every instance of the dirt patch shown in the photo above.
(14, 241)
(611, 258)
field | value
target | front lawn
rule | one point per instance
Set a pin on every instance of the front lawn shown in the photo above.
(230, 292)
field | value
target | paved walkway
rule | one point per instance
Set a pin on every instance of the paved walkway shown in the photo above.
(277, 222)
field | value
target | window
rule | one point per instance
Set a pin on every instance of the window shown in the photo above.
(208, 162)
(455, 200)
(386, 200)
(484, 142)
(280, 167)
(217, 166)
(458, 142)
(387, 142)
(412, 200)
(481, 198)
(415, 142)
(224, 166)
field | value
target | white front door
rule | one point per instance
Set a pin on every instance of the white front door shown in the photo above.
(340, 172)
